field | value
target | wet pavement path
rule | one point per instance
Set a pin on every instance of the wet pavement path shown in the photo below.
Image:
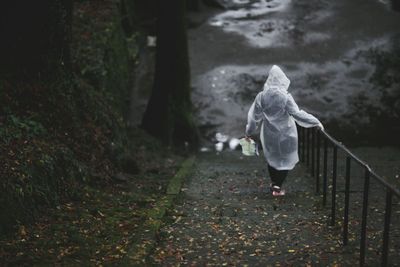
(329, 49)
(228, 217)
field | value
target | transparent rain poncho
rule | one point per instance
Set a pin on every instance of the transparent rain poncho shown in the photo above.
(275, 109)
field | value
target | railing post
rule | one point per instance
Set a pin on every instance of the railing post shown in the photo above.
(346, 202)
(299, 141)
(315, 169)
(334, 175)
(308, 147)
(318, 160)
(388, 214)
(325, 178)
(303, 144)
(364, 218)
(312, 151)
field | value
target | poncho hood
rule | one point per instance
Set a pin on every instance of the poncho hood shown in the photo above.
(277, 79)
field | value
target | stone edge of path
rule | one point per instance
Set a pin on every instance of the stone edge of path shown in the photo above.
(139, 250)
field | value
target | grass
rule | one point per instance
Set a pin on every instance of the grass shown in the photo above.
(96, 229)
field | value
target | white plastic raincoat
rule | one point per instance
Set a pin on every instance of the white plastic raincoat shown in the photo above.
(275, 109)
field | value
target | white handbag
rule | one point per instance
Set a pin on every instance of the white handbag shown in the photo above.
(249, 147)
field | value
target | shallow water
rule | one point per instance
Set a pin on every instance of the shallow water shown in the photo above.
(323, 46)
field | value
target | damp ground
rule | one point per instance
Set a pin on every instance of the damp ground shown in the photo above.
(328, 50)
(227, 217)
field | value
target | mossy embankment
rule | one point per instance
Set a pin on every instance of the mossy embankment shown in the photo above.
(65, 129)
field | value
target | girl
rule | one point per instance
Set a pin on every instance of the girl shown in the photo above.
(275, 109)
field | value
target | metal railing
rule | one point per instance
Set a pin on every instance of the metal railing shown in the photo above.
(311, 141)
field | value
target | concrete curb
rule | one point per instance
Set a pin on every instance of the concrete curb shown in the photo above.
(139, 251)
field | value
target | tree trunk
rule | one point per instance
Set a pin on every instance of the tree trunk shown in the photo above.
(193, 5)
(169, 112)
(34, 36)
(396, 5)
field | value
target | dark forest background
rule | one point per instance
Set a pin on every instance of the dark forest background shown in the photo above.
(66, 75)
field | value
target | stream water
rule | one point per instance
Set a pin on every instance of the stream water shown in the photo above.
(325, 47)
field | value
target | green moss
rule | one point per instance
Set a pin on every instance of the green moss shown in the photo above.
(15, 127)
(36, 176)
(176, 182)
(141, 248)
(66, 129)
(118, 69)
(106, 54)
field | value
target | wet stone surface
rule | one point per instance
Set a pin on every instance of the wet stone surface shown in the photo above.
(228, 217)
(329, 49)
